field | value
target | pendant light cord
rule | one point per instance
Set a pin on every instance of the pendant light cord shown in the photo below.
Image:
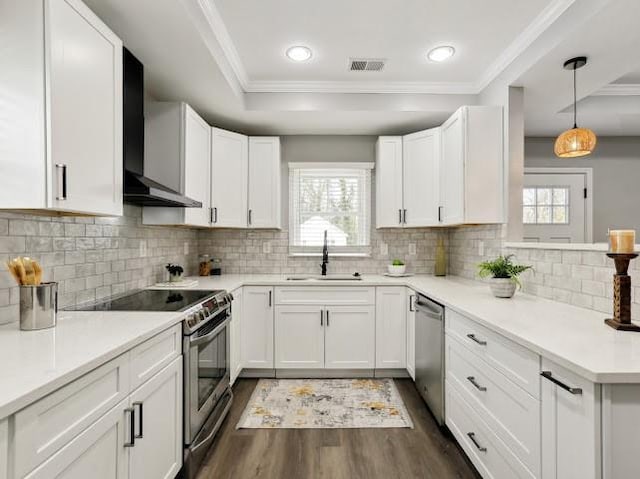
(575, 115)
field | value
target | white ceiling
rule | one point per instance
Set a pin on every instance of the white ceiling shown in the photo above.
(226, 58)
(401, 32)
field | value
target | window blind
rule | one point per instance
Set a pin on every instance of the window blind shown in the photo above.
(335, 198)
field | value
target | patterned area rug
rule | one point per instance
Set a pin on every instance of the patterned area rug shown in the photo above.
(325, 404)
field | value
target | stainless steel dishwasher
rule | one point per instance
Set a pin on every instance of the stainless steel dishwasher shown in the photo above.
(430, 354)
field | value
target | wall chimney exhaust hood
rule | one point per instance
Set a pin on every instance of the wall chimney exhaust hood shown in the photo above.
(138, 189)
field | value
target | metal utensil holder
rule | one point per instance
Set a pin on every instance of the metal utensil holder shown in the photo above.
(38, 306)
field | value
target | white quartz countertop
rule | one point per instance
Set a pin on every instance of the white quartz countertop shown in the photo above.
(36, 363)
(573, 337)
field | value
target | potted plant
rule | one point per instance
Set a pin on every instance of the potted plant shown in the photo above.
(397, 267)
(175, 272)
(504, 274)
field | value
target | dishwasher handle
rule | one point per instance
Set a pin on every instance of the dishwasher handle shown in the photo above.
(424, 308)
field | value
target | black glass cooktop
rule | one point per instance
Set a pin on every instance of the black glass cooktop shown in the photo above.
(151, 300)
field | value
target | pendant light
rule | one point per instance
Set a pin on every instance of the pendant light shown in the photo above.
(576, 141)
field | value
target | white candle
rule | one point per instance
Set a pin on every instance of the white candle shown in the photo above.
(622, 241)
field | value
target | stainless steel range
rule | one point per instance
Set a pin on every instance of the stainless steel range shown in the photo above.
(205, 347)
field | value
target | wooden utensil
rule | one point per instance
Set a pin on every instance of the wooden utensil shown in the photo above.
(29, 272)
(13, 270)
(38, 272)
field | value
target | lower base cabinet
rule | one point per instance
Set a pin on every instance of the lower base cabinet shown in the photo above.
(140, 438)
(330, 336)
(571, 427)
(157, 451)
(257, 327)
(235, 335)
(411, 333)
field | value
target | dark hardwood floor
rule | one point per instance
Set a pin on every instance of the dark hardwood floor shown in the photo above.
(422, 452)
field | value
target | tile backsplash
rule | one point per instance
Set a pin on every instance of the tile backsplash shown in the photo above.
(243, 251)
(91, 258)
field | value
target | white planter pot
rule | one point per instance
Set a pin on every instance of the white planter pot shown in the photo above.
(175, 278)
(503, 287)
(397, 269)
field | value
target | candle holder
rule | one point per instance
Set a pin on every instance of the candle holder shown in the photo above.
(622, 293)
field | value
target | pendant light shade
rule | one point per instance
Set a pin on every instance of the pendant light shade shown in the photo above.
(576, 141)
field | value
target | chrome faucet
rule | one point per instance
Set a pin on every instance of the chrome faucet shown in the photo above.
(325, 255)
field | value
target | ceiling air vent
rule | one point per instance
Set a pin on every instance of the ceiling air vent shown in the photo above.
(366, 64)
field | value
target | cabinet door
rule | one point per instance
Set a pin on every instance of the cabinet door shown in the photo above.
(264, 182)
(229, 165)
(389, 182)
(4, 448)
(197, 163)
(350, 337)
(98, 452)
(570, 426)
(421, 158)
(236, 334)
(257, 327)
(391, 327)
(158, 413)
(411, 333)
(452, 170)
(299, 337)
(85, 110)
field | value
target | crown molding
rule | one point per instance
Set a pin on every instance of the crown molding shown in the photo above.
(619, 89)
(219, 29)
(361, 87)
(541, 23)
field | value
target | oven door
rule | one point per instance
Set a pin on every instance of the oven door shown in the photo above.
(206, 372)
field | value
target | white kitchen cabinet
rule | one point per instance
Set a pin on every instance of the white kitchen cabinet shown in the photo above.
(350, 337)
(264, 182)
(471, 167)
(299, 337)
(158, 412)
(571, 425)
(421, 185)
(235, 334)
(257, 327)
(391, 327)
(229, 178)
(411, 333)
(178, 155)
(407, 180)
(61, 121)
(4, 448)
(389, 182)
(98, 452)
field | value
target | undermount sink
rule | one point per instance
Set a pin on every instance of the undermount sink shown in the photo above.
(329, 277)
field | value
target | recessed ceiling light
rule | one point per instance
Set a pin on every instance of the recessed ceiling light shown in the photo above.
(299, 53)
(440, 54)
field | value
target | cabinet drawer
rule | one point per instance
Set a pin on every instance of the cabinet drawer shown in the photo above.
(44, 427)
(338, 295)
(153, 355)
(490, 456)
(514, 361)
(512, 413)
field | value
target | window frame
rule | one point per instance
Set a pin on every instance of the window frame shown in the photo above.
(364, 211)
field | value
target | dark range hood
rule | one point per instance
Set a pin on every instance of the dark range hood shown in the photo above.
(138, 189)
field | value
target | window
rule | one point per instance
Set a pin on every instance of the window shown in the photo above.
(331, 197)
(545, 205)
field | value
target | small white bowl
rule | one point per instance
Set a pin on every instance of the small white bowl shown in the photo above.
(397, 270)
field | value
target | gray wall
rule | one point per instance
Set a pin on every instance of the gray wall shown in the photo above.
(616, 179)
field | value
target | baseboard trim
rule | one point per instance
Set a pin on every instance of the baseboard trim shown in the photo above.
(323, 373)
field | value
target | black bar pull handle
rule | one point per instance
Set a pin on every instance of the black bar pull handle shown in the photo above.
(132, 427)
(548, 375)
(140, 407)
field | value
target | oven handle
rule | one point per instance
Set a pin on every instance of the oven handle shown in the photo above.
(207, 337)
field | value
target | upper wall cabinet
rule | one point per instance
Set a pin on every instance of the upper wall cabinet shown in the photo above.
(471, 167)
(229, 178)
(407, 181)
(264, 182)
(178, 155)
(61, 119)
(443, 176)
